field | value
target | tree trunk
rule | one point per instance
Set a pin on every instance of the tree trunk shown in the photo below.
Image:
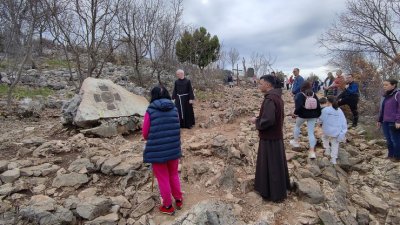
(244, 67)
(25, 59)
(40, 50)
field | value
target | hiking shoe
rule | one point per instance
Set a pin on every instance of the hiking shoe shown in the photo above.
(312, 155)
(327, 152)
(178, 204)
(167, 210)
(333, 161)
(294, 143)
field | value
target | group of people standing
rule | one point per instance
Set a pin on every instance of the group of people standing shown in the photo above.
(272, 178)
(164, 119)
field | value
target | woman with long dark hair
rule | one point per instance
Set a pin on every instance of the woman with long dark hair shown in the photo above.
(161, 129)
(307, 109)
(389, 118)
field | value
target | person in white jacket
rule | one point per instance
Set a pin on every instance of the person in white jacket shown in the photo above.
(334, 128)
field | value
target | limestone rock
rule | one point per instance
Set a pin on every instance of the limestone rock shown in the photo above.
(363, 217)
(347, 218)
(375, 203)
(70, 180)
(121, 201)
(93, 207)
(329, 173)
(110, 219)
(43, 210)
(104, 99)
(3, 166)
(80, 165)
(329, 218)
(10, 176)
(69, 109)
(71, 202)
(40, 170)
(87, 193)
(129, 164)
(209, 212)
(310, 190)
(52, 147)
(393, 217)
(8, 188)
(109, 164)
(143, 208)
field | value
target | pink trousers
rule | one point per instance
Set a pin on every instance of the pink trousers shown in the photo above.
(168, 180)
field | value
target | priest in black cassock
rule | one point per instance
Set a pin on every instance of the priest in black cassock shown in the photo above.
(272, 176)
(184, 98)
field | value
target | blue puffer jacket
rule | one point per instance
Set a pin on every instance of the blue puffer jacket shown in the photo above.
(164, 140)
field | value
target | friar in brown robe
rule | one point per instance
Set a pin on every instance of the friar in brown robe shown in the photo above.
(272, 176)
(184, 98)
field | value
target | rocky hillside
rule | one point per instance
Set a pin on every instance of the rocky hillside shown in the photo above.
(51, 174)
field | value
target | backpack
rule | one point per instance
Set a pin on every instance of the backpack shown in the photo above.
(311, 102)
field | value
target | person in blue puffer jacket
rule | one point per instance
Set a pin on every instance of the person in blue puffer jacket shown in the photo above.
(161, 129)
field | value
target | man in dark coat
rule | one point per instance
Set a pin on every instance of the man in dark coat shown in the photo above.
(272, 176)
(184, 99)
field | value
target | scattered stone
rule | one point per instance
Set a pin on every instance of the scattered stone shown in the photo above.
(363, 217)
(130, 164)
(329, 173)
(393, 217)
(375, 203)
(39, 189)
(3, 166)
(70, 180)
(80, 165)
(89, 192)
(10, 175)
(228, 179)
(143, 208)
(310, 190)
(347, 218)
(209, 212)
(43, 210)
(121, 201)
(110, 219)
(71, 202)
(109, 164)
(40, 170)
(329, 218)
(93, 207)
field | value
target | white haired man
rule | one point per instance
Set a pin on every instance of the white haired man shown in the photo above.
(184, 99)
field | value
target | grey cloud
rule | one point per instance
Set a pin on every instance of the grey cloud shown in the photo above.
(287, 29)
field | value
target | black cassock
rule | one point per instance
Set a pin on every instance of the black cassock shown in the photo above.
(183, 92)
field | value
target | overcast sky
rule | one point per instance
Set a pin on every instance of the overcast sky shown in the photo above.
(287, 29)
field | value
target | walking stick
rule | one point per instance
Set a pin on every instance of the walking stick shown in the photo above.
(152, 182)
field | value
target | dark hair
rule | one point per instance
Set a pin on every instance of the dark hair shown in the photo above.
(270, 79)
(306, 86)
(393, 82)
(323, 100)
(332, 99)
(159, 92)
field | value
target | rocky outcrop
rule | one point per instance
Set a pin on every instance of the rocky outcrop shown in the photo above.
(104, 99)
